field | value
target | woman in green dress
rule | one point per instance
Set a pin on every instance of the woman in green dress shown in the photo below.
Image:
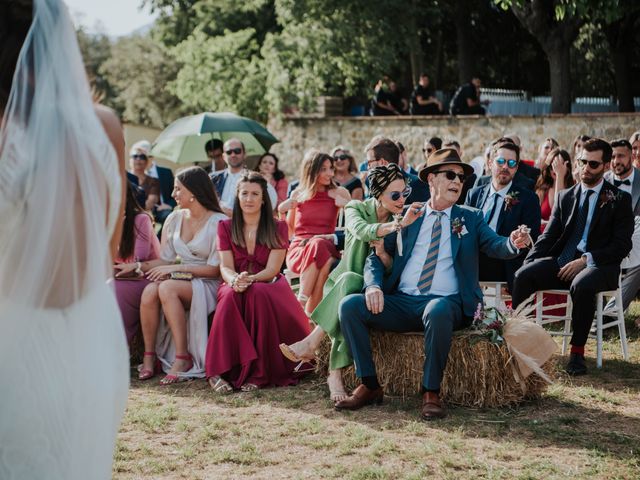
(367, 223)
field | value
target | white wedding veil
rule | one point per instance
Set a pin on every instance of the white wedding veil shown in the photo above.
(59, 179)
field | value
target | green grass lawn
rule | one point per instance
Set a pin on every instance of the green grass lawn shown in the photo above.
(585, 427)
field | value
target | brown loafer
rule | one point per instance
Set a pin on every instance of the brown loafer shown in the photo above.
(360, 397)
(432, 407)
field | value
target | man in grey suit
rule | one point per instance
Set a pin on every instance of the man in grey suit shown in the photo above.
(627, 178)
(432, 287)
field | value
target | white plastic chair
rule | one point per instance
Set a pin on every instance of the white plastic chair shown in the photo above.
(543, 318)
(492, 293)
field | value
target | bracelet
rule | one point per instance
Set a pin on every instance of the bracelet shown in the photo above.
(138, 270)
(234, 281)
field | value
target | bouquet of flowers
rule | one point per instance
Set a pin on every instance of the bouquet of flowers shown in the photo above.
(490, 322)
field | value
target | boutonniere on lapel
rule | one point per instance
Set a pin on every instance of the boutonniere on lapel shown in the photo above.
(609, 196)
(458, 227)
(511, 200)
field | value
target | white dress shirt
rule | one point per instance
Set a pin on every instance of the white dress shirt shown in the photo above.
(488, 204)
(593, 201)
(445, 280)
(626, 188)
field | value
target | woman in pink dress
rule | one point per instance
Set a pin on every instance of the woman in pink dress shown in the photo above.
(176, 303)
(138, 243)
(313, 208)
(256, 308)
(268, 167)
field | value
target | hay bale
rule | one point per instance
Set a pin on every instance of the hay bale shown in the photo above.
(478, 374)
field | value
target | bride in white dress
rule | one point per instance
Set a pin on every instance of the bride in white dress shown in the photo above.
(63, 356)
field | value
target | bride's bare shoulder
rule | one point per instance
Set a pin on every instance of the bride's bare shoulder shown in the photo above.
(112, 127)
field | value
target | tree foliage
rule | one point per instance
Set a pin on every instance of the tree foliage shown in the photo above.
(222, 73)
(141, 72)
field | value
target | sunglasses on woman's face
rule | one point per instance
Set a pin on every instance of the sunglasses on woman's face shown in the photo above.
(593, 164)
(395, 195)
(139, 156)
(511, 163)
(341, 157)
(451, 175)
(428, 150)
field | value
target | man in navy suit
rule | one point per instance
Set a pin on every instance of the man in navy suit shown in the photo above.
(432, 287)
(587, 237)
(505, 206)
(225, 181)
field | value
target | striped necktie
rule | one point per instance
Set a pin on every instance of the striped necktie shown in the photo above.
(429, 267)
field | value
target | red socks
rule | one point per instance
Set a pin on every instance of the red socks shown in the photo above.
(576, 349)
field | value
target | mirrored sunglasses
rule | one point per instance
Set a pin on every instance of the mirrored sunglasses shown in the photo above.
(511, 163)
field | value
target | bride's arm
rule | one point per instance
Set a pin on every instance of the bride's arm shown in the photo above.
(113, 128)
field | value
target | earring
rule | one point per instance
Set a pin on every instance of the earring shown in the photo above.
(191, 199)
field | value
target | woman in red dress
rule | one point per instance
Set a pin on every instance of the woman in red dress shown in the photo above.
(556, 175)
(256, 308)
(313, 208)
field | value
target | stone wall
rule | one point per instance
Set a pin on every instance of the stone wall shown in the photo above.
(298, 134)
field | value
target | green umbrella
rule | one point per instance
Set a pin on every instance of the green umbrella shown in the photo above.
(183, 141)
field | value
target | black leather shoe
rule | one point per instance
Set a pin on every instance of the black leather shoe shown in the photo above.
(576, 365)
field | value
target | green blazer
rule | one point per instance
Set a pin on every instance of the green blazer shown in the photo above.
(361, 225)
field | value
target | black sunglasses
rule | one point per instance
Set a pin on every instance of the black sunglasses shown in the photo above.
(593, 164)
(395, 195)
(428, 149)
(139, 156)
(237, 151)
(451, 175)
(341, 157)
(511, 163)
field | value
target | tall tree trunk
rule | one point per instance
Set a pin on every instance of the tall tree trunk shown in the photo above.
(466, 58)
(436, 73)
(416, 55)
(619, 36)
(558, 54)
(556, 38)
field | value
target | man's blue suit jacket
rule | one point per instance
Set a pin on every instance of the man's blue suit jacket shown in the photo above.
(525, 212)
(465, 250)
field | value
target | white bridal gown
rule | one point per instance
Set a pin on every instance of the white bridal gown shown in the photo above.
(63, 358)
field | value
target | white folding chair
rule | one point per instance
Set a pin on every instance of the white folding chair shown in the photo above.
(543, 318)
(493, 296)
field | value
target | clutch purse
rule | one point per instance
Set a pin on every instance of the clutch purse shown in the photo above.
(181, 276)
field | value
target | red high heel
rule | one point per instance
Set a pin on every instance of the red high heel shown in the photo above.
(146, 374)
(171, 378)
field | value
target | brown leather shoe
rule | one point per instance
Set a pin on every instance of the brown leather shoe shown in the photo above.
(432, 407)
(360, 397)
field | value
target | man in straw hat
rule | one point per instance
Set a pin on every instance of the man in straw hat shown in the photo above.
(432, 287)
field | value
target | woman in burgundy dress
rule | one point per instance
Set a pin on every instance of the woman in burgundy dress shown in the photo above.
(256, 308)
(313, 210)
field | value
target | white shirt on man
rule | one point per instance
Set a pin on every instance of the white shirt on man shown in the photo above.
(228, 196)
(622, 186)
(488, 204)
(445, 280)
(593, 199)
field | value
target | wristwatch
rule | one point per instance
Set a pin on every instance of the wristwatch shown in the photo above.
(139, 271)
